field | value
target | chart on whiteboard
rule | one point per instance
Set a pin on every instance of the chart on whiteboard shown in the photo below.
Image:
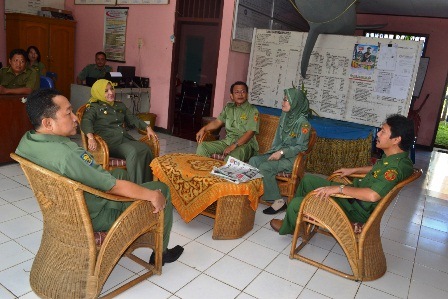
(349, 78)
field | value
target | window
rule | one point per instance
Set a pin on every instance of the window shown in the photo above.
(399, 35)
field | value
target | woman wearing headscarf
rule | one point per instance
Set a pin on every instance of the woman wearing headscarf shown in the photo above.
(290, 138)
(105, 116)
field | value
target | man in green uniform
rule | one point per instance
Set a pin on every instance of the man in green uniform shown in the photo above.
(49, 146)
(18, 78)
(97, 70)
(240, 119)
(394, 138)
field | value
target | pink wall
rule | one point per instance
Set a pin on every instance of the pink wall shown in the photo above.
(3, 54)
(154, 24)
(436, 75)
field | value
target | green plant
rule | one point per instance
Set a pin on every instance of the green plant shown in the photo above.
(442, 135)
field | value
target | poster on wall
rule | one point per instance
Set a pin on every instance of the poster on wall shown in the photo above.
(115, 33)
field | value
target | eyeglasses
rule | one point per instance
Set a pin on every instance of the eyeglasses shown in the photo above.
(239, 92)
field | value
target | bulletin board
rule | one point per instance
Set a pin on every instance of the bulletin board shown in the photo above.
(350, 78)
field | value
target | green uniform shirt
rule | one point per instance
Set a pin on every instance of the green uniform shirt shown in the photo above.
(91, 70)
(38, 67)
(28, 78)
(61, 155)
(385, 175)
(294, 143)
(238, 120)
(107, 121)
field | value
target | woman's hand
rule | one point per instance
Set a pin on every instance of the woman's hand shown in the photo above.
(275, 156)
(151, 133)
(91, 144)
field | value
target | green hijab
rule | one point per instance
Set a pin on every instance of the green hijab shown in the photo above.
(98, 91)
(291, 120)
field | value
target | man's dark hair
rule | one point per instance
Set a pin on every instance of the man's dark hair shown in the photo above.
(238, 83)
(400, 126)
(40, 105)
(18, 52)
(100, 53)
(35, 49)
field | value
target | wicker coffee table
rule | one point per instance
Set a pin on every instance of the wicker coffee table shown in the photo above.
(195, 191)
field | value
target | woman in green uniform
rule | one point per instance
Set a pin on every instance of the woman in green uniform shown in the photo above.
(106, 117)
(33, 55)
(291, 137)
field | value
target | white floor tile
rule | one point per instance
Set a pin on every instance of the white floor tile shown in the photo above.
(21, 226)
(434, 234)
(398, 249)
(400, 236)
(29, 205)
(430, 276)
(291, 269)
(116, 278)
(31, 241)
(233, 272)
(224, 246)
(270, 286)
(191, 230)
(205, 287)
(338, 262)
(332, 285)
(4, 293)
(254, 254)
(433, 246)
(439, 224)
(6, 184)
(366, 292)
(432, 260)
(392, 284)
(399, 265)
(199, 256)
(175, 276)
(12, 254)
(9, 212)
(16, 194)
(270, 239)
(308, 294)
(17, 279)
(420, 290)
(142, 291)
(404, 225)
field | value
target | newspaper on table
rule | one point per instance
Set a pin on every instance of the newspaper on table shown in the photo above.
(237, 171)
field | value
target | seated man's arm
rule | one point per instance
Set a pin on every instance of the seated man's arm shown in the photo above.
(348, 171)
(131, 190)
(82, 76)
(20, 90)
(242, 140)
(213, 125)
(78, 81)
(364, 194)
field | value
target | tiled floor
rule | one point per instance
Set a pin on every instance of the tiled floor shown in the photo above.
(414, 234)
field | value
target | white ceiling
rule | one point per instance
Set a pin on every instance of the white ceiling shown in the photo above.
(421, 8)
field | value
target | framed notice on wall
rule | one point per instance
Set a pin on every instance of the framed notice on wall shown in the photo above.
(104, 2)
(143, 1)
(115, 33)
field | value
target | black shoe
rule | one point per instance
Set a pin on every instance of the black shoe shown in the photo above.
(278, 206)
(169, 255)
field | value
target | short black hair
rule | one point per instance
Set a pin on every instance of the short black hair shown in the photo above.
(18, 52)
(100, 53)
(35, 49)
(400, 126)
(40, 105)
(238, 83)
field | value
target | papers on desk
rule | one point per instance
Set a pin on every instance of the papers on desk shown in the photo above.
(237, 171)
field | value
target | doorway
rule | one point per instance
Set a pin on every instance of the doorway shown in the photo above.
(441, 140)
(195, 60)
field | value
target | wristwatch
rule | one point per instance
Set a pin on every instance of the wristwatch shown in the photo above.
(341, 189)
(282, 153)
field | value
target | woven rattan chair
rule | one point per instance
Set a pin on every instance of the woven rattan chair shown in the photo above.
(287, 181)
(101, 154)
(362, 248)
(69, 264)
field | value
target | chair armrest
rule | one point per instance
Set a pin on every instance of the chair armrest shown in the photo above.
(153, 144)
(206, 137)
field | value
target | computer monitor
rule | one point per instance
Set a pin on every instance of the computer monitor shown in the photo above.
(127, 73)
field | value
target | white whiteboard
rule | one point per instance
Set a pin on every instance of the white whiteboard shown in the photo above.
(339, 84)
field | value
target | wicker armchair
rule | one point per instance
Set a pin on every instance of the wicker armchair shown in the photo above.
(69, 264)
(101, 154)
(361, 242)
(287, 181)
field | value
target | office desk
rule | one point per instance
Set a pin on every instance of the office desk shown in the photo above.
(14, 123)
(136, 99)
